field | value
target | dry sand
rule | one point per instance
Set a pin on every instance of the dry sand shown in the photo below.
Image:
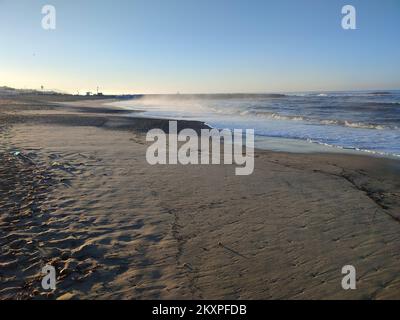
(82, 197)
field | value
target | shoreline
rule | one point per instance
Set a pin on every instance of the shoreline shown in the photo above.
(276, 144)
(77, 193)
(124, 119)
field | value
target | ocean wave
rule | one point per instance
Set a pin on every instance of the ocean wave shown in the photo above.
(331, 122)
(277, 116)
(374, 152)
(306, 95)
(335, 145)
(359, 125)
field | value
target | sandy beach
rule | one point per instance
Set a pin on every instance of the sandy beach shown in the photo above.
(76, 192)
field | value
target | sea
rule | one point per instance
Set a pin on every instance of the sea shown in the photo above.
(366, 122)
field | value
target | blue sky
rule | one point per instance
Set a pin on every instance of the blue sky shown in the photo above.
(189, 46)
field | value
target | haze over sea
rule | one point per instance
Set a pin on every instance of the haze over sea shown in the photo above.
(366, 121)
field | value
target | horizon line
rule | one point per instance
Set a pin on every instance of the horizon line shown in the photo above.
(196, 93)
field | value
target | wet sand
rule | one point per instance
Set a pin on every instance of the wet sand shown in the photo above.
(76, 192)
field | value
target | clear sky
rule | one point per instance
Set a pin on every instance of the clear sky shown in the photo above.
(194, 46)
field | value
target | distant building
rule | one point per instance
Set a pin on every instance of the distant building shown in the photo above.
(88, 93)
